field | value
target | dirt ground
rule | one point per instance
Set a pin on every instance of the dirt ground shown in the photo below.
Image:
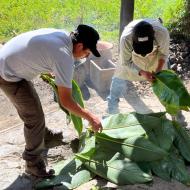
(139, 97)
(12, 140)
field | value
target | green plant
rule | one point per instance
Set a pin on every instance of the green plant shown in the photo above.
(169, 10)
(133, 146)
(171, 92)
(180, 24)
(77, 96)
(18, 16)
(69, 175)
(128, 159)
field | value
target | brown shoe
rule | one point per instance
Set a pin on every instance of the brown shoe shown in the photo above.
(52, 138)
(38, 169)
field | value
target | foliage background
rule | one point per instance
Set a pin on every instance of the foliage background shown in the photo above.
(17, 16)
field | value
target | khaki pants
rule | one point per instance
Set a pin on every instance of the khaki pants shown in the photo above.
(25, 99)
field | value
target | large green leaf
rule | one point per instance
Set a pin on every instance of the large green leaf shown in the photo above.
(158, 129)
(122, 126)
(155, 125)
(69, 175)
(171, 92)
(87, 144)
(157, 114)
(182, 141)
(77, 96)
(136, 148)
(114, 167)
(171, 166)
(163, 134)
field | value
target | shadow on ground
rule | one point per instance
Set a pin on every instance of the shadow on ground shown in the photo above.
(130, 95)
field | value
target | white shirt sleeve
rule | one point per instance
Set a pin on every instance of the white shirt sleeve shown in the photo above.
(64, 71)
(126, 55)
(163, 40)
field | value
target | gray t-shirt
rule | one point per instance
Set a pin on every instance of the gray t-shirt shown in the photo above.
(36, 52)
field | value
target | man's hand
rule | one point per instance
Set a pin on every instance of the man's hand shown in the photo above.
(65, 95)
(95, 123)
(147, 75)
(161, 63)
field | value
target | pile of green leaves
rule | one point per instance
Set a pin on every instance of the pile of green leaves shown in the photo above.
(129, 150)
(132, 147)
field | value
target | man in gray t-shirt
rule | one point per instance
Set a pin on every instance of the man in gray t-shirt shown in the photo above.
(35, 52)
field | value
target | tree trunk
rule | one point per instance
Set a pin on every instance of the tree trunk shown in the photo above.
(126, 13)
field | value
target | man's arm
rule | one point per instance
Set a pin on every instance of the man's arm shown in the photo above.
(125, 56)
(147, 75)
(163, 40)
(150, 76)
(66, 100)
(161, 63)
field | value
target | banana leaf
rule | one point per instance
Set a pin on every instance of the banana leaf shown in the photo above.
(77, 96)
(171, 92)
(105, 163)
(145, 167)
(157, 114)
(171, 167)
(87, 144)
(162, 133)
(122, 126)
(51, 81)
(158, 129)
(136, 148)
(69, 175)
(182, 141)
(114, 167)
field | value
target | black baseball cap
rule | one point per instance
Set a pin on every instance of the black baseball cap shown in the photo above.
(89, 37)
(143, 37)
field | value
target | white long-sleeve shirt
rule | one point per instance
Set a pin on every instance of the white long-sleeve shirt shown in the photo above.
(131, 63)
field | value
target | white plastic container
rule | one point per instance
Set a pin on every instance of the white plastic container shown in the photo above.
(104, 49)
(101, 72)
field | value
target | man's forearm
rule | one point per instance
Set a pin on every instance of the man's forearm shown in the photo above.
(77, 110)
(161, 63)
(66, 100)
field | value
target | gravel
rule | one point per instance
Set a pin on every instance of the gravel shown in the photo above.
(179, 57)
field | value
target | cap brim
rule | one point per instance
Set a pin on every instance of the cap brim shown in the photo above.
(143, 48)
(95, 52)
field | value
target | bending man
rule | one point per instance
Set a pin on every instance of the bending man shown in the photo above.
(144, 49)
(35, 52)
